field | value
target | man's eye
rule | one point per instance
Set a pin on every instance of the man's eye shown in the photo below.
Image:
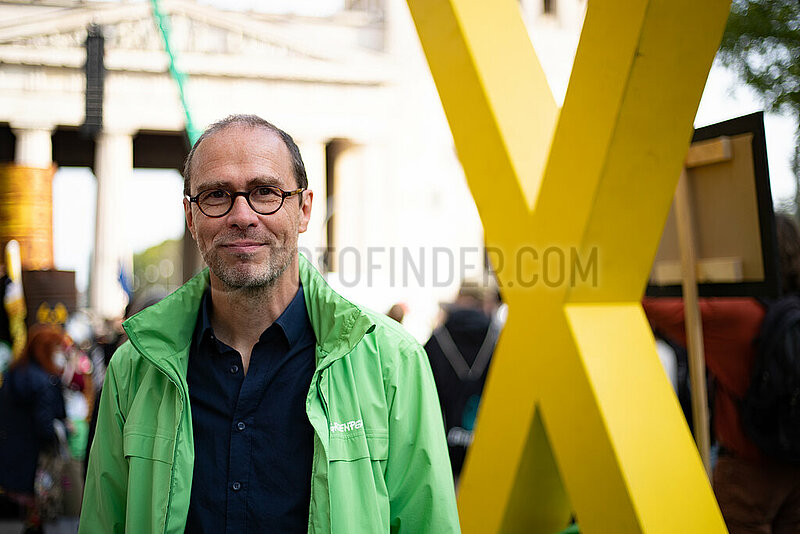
(265, 192)
(214, 197)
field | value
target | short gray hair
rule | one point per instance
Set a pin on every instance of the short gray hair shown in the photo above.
(252, 121)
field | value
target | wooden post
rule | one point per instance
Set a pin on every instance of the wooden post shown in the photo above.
(693, 321)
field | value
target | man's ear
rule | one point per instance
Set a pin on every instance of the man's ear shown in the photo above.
(305, 209)
(187, 210)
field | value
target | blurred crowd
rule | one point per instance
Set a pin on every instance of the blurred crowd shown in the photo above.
(48, 400)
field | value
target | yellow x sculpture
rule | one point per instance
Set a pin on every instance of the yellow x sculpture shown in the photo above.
(577, 414)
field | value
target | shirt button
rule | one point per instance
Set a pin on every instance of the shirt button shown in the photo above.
(240, 425)
(234, 369)
(236, 486)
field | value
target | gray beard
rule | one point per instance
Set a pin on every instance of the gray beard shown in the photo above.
(244, 279)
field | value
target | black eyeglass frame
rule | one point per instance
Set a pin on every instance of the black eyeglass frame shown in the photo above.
(246, 195)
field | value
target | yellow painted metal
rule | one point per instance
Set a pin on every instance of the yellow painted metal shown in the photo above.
(577, 413)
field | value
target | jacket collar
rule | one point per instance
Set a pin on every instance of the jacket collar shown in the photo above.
(338, 324)
(163, 332)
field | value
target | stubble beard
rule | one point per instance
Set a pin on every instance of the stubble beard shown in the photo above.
(247, 276)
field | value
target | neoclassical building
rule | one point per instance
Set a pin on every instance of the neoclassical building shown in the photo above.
(391, 208)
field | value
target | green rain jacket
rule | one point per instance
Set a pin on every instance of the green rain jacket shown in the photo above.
(380, 460)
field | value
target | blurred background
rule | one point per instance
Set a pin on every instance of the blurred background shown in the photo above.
(99, 104)
(87, 90)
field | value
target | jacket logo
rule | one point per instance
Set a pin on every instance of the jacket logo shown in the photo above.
(346, 427)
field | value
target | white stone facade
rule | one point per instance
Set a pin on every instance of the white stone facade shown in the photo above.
(358, 79)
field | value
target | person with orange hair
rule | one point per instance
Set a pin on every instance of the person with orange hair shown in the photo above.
(31, 401)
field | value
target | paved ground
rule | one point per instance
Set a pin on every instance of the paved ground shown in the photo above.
(63, 526)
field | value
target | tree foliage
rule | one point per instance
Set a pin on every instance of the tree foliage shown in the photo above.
(762, 45)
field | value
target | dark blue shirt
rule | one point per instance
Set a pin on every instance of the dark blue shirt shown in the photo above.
(252, 440)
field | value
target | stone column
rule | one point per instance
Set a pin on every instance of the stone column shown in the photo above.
(113, 168)
(34, 146)
(313, 242)
(26, 196)
(380, 210)
(348, 204)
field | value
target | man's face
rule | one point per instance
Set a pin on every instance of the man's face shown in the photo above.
(244, 249)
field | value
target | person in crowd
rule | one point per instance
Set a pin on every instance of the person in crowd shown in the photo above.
(460, 351)
(397, 312)
(255, 398)
(755, 492)
(31, 407)
(135, 306)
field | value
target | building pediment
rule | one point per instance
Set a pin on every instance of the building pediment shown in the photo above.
(201, 35)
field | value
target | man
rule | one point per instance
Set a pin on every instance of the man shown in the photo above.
(254, 398)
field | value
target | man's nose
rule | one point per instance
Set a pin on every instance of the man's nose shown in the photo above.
(241, 214)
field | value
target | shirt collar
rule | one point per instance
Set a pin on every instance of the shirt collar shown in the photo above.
(294, 319)
(292, 322)
(205, 315)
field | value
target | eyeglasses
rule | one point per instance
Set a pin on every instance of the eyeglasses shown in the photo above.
(263, 199)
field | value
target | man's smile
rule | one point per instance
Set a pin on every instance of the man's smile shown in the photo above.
(243, 247)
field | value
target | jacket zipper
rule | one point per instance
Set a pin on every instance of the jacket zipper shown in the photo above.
(177, 430)
(322, 397)
(174, 451)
